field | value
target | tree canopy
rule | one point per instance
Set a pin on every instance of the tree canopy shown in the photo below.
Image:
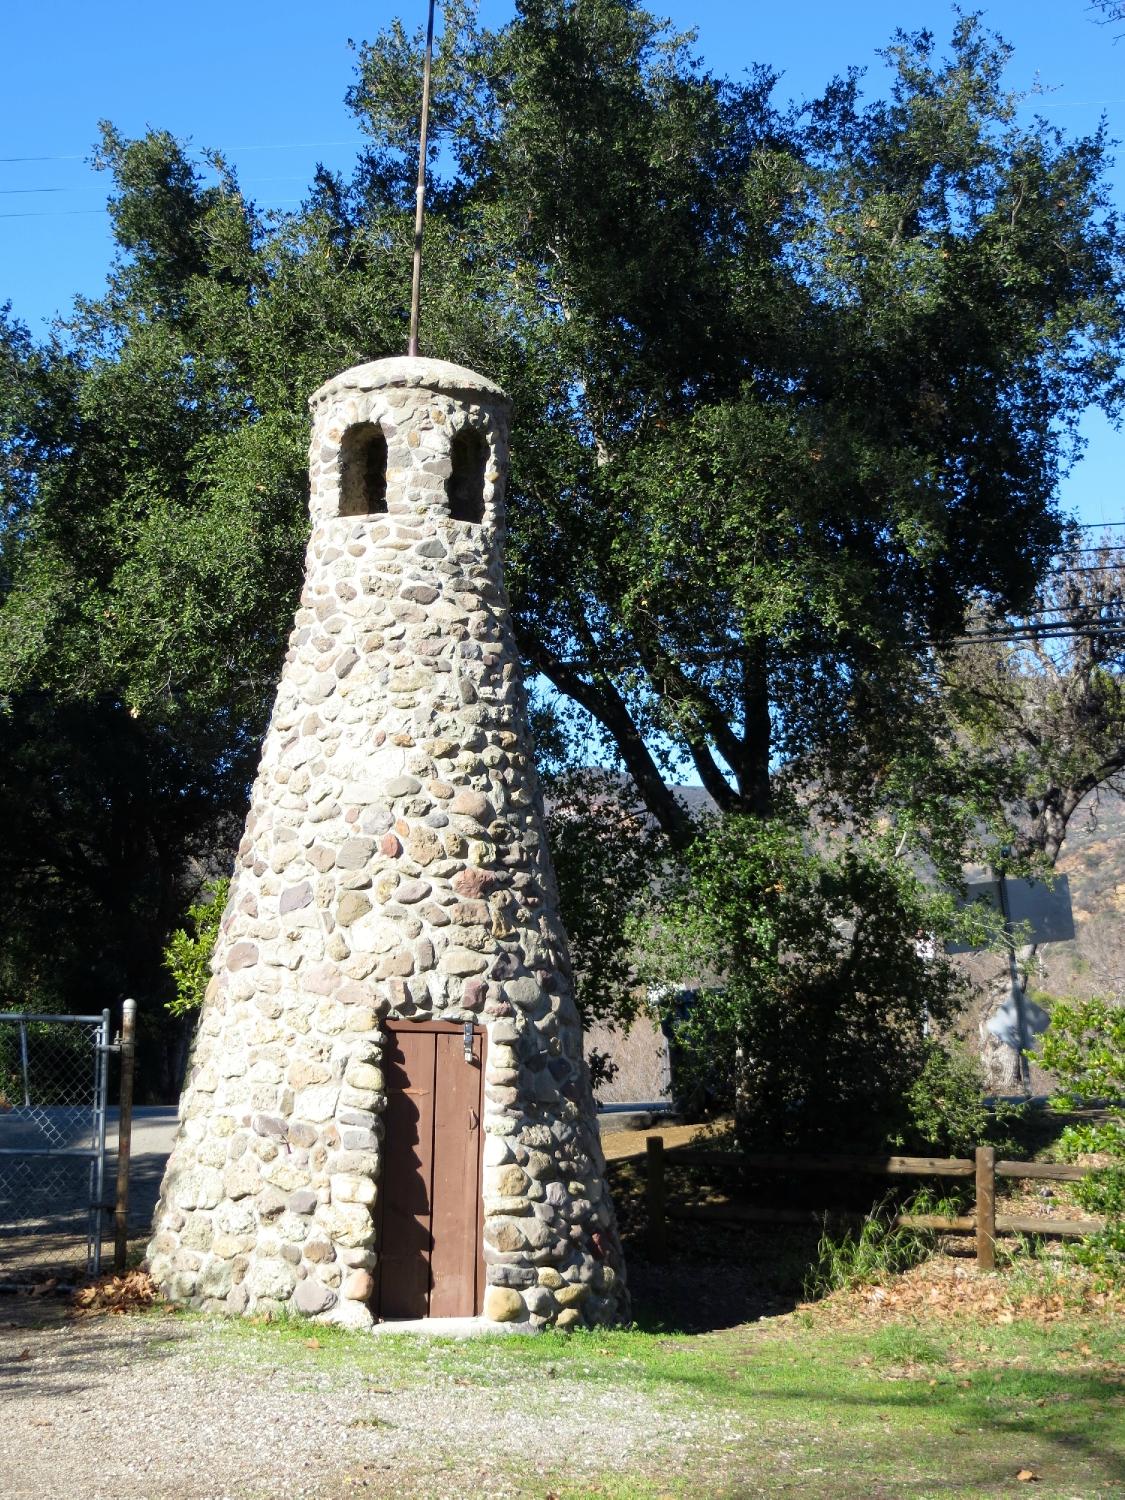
(793, 390)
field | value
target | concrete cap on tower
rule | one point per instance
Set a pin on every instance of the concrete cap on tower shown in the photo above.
(403, 371)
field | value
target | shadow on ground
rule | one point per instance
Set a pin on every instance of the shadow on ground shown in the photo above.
(682, 1297)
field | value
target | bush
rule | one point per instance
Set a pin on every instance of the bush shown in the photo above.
(811, 986)
(946, 1110)
(188, 955)
(1085, 1049)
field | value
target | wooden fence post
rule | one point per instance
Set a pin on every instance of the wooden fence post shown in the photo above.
(654, 1183)
(986, 1208)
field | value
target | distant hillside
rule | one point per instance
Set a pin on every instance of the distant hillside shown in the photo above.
(1093, 857)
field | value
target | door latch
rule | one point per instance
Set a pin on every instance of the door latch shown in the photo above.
(467, 1033)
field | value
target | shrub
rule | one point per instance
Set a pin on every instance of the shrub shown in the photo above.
(1085, 1049)
(878, 1249)
(946, 1110)
(188, 955)
(811, 985)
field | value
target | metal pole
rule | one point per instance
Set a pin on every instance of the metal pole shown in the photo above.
(1016, 984)
(420, 191)
(124, 1135)
(23, 1061)
(101, 1080)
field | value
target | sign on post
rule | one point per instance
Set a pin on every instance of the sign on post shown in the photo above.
(1037, 912)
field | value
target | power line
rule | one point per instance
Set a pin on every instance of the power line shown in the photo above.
(265, 146)
(59, 213)
(51, 213)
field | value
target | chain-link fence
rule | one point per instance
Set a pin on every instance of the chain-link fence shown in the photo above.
(53, 1083)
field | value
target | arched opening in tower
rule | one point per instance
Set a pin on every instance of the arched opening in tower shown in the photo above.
(363, 471)
(468, 455)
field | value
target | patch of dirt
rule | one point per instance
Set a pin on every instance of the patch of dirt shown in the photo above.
(622, 1143)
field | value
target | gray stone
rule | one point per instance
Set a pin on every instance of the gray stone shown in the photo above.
(355, 854)
(312, 1297)
(462, 961)
(295, 897)
(402, 786)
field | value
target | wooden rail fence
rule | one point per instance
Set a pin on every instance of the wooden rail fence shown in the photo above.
(984, 1221)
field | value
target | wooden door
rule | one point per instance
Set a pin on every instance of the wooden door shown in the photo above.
(429, 1205)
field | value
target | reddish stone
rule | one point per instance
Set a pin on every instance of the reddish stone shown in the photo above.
(399, 992)
(409, 891)
(469, 914)
(352, 992)
(473, 882)
(474, 994)
(319, 979)
(390, 846)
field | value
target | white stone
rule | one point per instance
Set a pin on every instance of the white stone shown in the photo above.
(318, 1103)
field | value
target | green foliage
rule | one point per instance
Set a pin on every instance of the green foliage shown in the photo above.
(946, 1110)
(821, 989)
(792, 394)
(1085, 1049)
(606, 852)
(878, 1249)
(188, 955)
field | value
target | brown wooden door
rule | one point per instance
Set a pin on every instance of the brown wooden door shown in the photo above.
(429, 1205)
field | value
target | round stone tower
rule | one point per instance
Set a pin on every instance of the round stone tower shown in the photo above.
(387, 1113)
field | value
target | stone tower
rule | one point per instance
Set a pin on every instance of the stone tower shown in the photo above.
(387, 1111)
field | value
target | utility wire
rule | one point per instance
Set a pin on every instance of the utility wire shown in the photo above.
(267, 146)
(51, 213)
(58, 213)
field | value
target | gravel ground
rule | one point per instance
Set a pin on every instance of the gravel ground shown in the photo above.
(145, 1408)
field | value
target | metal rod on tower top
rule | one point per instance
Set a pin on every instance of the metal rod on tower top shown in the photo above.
(420, 191)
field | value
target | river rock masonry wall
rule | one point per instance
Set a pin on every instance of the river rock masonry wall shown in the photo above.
(394, 868)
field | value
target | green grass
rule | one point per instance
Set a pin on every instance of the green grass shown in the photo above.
(955, 1408)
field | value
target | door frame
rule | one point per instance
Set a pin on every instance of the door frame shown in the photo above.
(394, 1025)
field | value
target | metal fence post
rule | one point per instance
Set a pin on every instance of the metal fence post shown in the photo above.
(124, 1135)
(97, 1166)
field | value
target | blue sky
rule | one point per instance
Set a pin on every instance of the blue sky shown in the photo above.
(265, 83)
